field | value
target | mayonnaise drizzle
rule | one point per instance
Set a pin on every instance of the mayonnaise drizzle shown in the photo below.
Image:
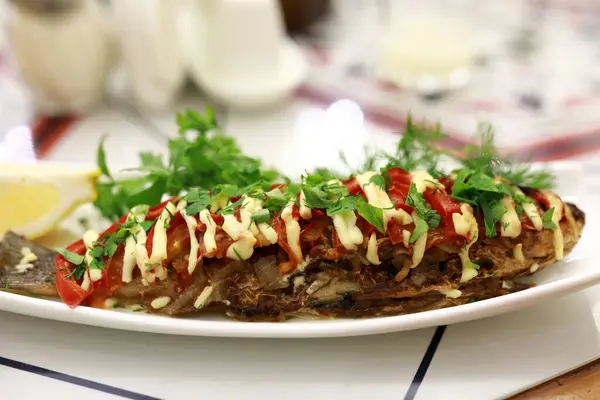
(419, 246)
(159, 243)
(349, 234)
(510, 224)
(292, 230)
(559, 242)
(372, 250)
(89, 237)
(531, 211)
(423, 180)
(305, 211)
(129, 252)
(192, 224)
(469, 269)
(210, 243)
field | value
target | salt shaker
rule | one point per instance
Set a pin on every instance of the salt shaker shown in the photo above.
(150, 37)
(64, 51)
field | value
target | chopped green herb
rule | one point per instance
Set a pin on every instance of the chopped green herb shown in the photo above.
(415, 200)
(147, 225)
(236, 253)
(231, 208)
(314, 197)
(201, 156)
(547, 219)
(505, 225)
(379, 180)
(373, 215)
(421, 227)
(71, 257)
(150, 266)
(261, 216)
(493, 210)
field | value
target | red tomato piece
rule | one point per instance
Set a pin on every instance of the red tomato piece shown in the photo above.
(394, 231)
(399, 176)
(442, 203)
(353, 186)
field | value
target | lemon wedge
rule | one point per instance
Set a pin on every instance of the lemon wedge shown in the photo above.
(35, 198)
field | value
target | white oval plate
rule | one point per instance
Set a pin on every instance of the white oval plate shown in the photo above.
(576, 272)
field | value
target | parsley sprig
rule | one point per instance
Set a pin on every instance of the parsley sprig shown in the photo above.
(200, 157)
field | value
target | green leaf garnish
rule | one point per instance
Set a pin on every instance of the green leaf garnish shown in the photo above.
(71, 257)
(379, 180)
(493, 210)
(261, 216)
(416, 201)
(101, 158)
(547, 219)
(373, 215)
(421, 227)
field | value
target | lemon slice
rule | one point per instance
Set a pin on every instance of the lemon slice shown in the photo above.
(35, 198)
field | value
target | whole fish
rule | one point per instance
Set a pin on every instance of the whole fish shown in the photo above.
(357, 248)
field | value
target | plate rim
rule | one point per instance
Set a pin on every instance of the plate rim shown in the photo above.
(140, 322)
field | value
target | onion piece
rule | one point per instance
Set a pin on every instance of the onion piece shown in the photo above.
(402, 264)
(268, 273)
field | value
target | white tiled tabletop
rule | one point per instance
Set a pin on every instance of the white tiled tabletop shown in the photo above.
(485, 359)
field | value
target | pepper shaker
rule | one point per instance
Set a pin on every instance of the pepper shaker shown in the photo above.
(64, 51)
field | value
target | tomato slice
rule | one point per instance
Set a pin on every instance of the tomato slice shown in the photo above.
(279, 227)
(365, 227)
(538, 196)
(353, 186)
(394, 231)
(397, 194)
(398, 176)
(442, 203)
(315, 230)
(448, 184)
(71, 292)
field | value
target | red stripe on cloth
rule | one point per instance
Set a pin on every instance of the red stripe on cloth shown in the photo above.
(571, 144)
(47, 131)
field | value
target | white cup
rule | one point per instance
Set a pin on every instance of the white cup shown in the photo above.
(245, 58)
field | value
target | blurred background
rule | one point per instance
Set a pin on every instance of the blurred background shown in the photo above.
(285, 75)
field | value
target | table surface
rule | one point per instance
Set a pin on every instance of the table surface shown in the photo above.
(524, 354)
(491, 358)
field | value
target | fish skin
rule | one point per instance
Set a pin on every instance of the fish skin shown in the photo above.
(245, 299)
(39, 280)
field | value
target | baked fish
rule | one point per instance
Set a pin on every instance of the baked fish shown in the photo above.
(377, 244)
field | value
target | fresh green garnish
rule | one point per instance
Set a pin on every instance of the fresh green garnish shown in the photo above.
(547, 219)
(343, 205)
(275, 202)
(231, 208)
(70, 256)
(333, 197)
(213, 168)
(485, 158)
(197, 201)
(416, 201)
(237, 254)
(421, 227)
(205, 160)
(417, 149)
(373, 215)
(379, 180)
(261, 216)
